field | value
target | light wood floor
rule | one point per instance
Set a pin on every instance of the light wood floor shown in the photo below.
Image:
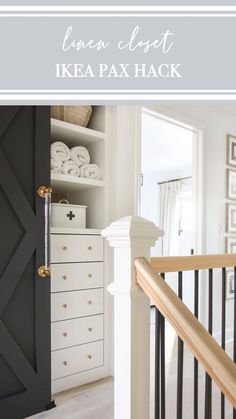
(95, 401)
(92, 401)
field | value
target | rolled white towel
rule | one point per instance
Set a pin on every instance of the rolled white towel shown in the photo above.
(80, 155)
(60, 151)
(70, 168)
(90, 171)
(56, 166)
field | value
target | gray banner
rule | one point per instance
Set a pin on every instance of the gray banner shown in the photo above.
(203, 51)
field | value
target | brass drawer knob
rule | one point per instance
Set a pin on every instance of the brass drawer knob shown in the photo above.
(90, 248)
(65, 334)
(90, 302)
(89, 356)
(64, 277)
(65, 363)
(64, 305)
(64, 247)
(90, 275)
(90, 329)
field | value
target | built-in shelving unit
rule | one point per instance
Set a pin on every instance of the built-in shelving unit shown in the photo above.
(80, 267)
(79, 190)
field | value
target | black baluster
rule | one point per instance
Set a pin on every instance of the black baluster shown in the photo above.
(157, 363)
(196, 304)
(208, 382)
(180, 359)
(223, 332)
(163, 365)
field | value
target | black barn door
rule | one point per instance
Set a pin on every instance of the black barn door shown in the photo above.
(24, 296)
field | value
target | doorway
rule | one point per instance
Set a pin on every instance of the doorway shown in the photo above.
(170, 191)
(171, 197)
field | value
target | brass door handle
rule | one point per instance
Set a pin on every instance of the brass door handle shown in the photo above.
(45, 193)
(43, 272)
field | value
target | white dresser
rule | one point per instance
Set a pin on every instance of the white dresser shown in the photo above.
(77, 307)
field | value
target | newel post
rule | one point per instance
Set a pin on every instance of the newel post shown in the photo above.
(131, 237)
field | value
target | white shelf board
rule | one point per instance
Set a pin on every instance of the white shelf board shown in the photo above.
(74, 135)
(73, 230)
(68, 183)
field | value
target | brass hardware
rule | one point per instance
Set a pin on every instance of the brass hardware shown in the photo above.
(43, 272)
(64, 305)
(64, 248)
(64, 277)
(65, 363)
(90, 329)
(43, 190)
(65, 334)
(90, 248)
(90, 275)
(90, 302)
(45, 193)
(89, 356)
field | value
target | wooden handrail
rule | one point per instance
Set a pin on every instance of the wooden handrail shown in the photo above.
(212, 357)
(191, 263)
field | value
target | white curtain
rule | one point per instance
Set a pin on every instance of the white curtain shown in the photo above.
(168, 199)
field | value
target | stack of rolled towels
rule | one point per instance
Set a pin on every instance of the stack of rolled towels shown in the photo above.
(74, 161)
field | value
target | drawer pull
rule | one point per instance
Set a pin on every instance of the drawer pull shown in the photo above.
(90, 275)
(64, 247)
(90, 248)
(90, 329)
(65, 334)
(64, 277)
(89, 356)
(64, 305)
(65, 363)
(90, 302)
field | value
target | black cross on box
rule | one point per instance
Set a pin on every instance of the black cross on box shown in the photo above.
(70, 215)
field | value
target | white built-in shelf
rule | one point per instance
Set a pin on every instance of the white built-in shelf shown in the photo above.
(73, 230)
(68, 183)
(74, 135)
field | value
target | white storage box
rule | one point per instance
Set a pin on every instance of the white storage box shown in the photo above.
(66, 215)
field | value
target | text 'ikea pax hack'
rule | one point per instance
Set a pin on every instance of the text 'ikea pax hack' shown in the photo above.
(24, 296)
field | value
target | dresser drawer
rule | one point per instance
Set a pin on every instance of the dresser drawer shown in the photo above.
(77, 331)
(75, 276)
(75, 248)
(76, 359)
(73, 304)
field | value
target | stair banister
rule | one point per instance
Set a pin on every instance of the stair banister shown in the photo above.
(131, 237)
